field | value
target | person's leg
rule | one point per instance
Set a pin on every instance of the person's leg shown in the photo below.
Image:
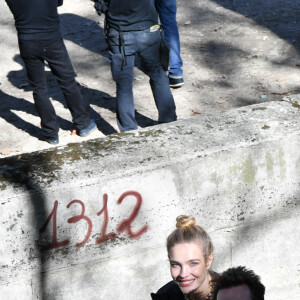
(123, 76)
(158, 79)
(29, 51)
(162, 95)
(55, 53)
(167, 13)
(122, 73)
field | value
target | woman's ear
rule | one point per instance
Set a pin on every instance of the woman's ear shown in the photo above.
(209, 260)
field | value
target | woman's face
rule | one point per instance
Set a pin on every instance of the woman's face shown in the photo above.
(189, 268)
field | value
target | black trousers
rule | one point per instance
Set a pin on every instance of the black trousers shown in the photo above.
(34, 54)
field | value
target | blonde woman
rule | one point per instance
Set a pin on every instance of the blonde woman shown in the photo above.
(190, 253)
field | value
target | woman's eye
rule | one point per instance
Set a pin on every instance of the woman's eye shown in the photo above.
(174, 265)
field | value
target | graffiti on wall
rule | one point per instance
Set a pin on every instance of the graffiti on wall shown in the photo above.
(123, 226)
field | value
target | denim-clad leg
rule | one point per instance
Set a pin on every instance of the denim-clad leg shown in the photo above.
(30, 52)
(158, 79)
(146, 44)
(124, 78)
(162, 95)
(167, 14)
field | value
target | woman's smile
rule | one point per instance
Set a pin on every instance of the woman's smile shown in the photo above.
(189, 268)
(185, 283)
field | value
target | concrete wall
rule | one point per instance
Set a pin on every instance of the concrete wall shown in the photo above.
(237, 173)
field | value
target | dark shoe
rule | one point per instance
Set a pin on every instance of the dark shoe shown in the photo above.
(52, 141)
(86, 131)
(176, 82)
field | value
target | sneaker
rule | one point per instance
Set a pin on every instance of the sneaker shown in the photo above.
(176, 82)
(86, 131)
(51, 140)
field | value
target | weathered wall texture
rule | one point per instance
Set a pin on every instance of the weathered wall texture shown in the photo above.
(89, 221)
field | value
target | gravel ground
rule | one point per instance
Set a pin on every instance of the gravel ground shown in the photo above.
(235, 53)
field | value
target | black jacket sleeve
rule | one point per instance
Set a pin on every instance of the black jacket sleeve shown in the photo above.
(60, 2)
(170, 291)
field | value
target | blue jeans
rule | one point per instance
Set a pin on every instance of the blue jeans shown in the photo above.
(167, 14)
(123, 48)
(34, 54)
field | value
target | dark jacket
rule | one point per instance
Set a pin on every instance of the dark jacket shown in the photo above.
(129, 15)
(36, 19)
(171, 290)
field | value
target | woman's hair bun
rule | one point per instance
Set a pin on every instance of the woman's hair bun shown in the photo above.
(184, 222)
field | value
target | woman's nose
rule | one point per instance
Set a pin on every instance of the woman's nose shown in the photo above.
(184, 272)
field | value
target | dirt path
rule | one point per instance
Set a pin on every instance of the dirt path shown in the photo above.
(235, 53)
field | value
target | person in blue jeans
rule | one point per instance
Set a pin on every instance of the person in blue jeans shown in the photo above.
(132, 31)
(167, 14)
(37, 23)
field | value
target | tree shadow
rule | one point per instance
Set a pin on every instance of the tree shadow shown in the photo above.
(78, 30)
(19, 173)
(104, 100)
(243, 101)
(19, 80)
(8, 104)
(218, 56)
(277, 16)
(280, 17)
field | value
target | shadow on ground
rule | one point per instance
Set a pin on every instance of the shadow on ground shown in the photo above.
(280, 16)
(94, 97)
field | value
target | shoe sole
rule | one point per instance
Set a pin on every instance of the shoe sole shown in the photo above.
(86, 134)
(53, 142)
(177, 85)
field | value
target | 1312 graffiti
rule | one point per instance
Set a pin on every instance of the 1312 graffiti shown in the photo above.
(123, 226)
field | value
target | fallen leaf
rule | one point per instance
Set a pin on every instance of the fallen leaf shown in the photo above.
(281, 79)
(195, 112)
(7, 151)
(252, 56)
(284, 86)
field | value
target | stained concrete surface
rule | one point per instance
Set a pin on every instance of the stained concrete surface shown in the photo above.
(235, 53)
(241, 182)
(236, 172)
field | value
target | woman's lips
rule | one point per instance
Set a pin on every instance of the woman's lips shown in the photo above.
(185, 283)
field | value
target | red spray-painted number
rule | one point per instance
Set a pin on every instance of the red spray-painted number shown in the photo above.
(55, 244)
(77, 218)
(125, 225)
(104, 236)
